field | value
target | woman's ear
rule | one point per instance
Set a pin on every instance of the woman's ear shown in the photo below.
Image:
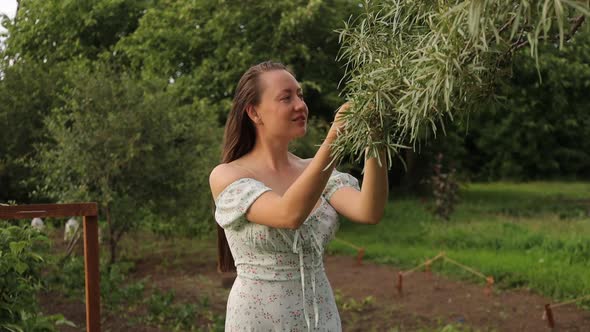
(253, 114)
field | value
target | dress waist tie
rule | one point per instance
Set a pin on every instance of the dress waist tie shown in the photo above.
(298, 249)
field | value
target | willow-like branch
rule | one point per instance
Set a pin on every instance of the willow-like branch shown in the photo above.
(412, 63)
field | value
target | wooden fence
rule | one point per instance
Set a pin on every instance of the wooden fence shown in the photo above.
(89, 211)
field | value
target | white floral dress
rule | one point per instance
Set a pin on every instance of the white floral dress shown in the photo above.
(281, 284)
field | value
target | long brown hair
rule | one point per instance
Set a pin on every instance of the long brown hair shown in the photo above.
(239, 138)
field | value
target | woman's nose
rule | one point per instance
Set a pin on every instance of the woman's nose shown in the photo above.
(300, 105)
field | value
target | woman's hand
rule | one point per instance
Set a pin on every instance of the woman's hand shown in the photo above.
(339, 125)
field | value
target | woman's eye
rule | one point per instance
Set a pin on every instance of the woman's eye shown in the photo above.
(286, 98)
(301, 96)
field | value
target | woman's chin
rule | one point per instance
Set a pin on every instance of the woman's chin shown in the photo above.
(301, 133)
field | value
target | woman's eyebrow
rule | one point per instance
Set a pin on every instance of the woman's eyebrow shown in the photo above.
(288, 90)
(281, 93)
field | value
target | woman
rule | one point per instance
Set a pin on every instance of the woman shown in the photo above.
(277, 212)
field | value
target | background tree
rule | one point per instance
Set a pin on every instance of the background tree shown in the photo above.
(200, 47)
(205, 46)
(539, 130)
(128, 145)
(27, 93)
(43, 41)
(55, 31)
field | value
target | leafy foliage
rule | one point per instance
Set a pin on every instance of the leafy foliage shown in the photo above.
(410, 64)
(20, 279)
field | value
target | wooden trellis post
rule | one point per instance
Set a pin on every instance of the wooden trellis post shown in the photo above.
(89, 211)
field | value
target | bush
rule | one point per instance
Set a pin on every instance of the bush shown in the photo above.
(20, 280)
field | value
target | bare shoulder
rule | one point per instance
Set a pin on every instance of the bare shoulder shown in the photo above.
(222, 176)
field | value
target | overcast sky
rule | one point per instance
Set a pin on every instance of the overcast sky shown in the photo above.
(7, 7)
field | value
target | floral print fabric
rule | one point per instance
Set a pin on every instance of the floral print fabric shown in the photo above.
(281, 283)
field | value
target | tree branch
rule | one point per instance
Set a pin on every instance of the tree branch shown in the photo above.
(575, 27)
(577, 24)
(506, 25)
(522, 42)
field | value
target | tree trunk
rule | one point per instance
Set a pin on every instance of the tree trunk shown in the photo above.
(408, 179)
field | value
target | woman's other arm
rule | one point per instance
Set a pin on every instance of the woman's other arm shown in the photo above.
(366, 206)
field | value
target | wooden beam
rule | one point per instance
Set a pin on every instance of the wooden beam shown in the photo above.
(48, 210)
(92, 273)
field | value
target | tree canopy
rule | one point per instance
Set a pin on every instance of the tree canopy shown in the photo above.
(124, 102)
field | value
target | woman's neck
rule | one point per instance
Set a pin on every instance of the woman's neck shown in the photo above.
(271, 155)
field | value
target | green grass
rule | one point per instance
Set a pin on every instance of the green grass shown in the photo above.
(533, 235)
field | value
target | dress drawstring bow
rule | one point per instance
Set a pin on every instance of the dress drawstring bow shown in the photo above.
(298, 249)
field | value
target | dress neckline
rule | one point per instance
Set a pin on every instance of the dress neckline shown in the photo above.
(312, 213)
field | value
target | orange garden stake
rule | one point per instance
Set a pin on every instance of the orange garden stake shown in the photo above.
(360, 251)
(427, 265)
(549, 315)
(359, 256)
(400, 277)
(489, 284)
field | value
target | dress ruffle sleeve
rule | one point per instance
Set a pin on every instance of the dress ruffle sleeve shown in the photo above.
(233, 202)
(339, 180)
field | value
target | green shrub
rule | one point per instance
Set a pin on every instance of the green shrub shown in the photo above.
(20, 280)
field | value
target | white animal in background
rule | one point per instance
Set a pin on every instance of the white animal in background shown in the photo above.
(72, 226)
(37, 223)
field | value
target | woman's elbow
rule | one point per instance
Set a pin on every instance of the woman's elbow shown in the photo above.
(291, 218)
(293, 225)
(374, 218)
(293, 221)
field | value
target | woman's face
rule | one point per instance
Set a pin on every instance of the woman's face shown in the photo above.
(282, 112)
